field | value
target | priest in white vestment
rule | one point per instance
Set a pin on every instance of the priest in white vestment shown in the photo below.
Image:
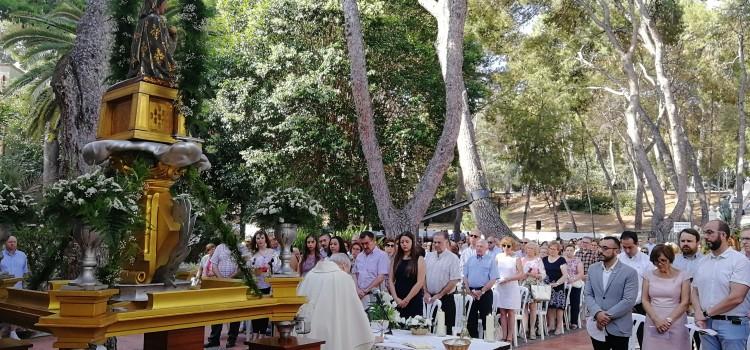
(333, 307)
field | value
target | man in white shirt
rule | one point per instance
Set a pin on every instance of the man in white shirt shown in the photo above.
(719, 291)
(651, 243)
(691, 256)
(632, 256)
(443, 273)
(474, 236)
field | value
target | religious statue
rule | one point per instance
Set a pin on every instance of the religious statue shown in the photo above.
(153, 44)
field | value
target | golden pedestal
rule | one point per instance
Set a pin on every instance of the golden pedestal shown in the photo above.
(138, 110)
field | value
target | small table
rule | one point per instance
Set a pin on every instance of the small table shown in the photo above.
(12, 344)
(396, 342)
(291, 343)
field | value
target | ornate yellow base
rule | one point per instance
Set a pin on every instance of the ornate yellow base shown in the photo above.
(139, 110)
(85, 317)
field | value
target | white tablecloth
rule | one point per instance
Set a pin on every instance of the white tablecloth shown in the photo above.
(396, 342)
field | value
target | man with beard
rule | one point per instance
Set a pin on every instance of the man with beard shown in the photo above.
(610, 293)
(719, 290)
(690, 258)
(745, 240)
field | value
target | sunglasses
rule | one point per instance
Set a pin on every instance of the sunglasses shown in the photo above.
(474, 236)
(524, 242)
(390, 245)
(507, 246)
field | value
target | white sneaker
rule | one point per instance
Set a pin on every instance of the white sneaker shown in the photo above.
(13, 335)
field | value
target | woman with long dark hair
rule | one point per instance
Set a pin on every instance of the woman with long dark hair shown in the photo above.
(407, 276)
(310, 256)
(336, 245)
(263, 262)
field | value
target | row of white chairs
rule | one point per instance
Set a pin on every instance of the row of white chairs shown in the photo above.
(519, 326)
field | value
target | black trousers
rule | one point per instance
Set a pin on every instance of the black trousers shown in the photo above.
(479, 310)
(638, 309)
(575, 304)
(448, 305)
(234, 330)
(261, 325)
(612, 343)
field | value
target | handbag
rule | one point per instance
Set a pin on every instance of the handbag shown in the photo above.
(541, 292)
(577, 284)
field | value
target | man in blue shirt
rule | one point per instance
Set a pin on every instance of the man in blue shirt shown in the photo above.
(14, 262)
(480, 274)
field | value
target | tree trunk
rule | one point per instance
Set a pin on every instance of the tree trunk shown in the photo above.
(551, 197)
(460, 195)
(655, 46)
(610, 184)
(638, 221)
(49, 155)
(451, 16)
(700, 191)
(526, 210)
(485, 212)
(570, 213)
(740, 168)
(78, 84)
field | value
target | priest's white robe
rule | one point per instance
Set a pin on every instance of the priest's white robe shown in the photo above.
(334, 310)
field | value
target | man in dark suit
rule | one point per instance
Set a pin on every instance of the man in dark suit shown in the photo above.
(610, 294)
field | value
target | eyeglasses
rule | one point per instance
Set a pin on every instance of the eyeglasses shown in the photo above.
(524, 242)
(474, 236)
(606, 248)
(507, 246)
(390, 245)
(745, 239)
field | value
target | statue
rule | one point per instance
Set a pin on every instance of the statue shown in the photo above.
(153, 45)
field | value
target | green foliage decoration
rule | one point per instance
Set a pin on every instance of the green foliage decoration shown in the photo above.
(191, 56)
(214, 217)
(125, 14)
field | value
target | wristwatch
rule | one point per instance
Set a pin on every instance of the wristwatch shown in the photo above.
(705, 314)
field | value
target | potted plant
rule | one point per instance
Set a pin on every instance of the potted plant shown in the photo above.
(95, 208)
(283, 210)
(382, 311)
(417, 324)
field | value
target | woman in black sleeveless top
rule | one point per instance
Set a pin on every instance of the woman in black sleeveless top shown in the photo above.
(407, 276)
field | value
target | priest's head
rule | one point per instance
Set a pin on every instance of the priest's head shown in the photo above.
(342, 260)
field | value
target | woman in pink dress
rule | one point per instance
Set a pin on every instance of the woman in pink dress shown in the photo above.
(666, 294)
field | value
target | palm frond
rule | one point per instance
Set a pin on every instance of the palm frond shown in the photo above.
(33, 36)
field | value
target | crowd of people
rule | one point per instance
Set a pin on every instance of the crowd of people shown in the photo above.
(616, 276)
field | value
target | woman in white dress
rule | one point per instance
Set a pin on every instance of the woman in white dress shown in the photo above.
(507, 291)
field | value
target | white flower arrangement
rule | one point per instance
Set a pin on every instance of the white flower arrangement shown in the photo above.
(383, 308)
(415, 322)
(93, 198)
(15, 206)
(289, 205)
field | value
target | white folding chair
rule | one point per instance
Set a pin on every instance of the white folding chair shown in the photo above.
(541, 315)
(638, 319)
(461, 304)
(428, 312)
(691, 320)
(519, 326)
(566, 313)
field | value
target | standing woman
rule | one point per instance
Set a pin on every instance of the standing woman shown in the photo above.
(534, 270)
(507, 290)
(353, 253)
(575, 280)
(407, 276)
(264, 261)
(666, 295)
(204, 270)
(557, 274)
(336, 245)
(310, 257)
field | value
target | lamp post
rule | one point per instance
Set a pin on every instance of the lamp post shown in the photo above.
(735, 203)
(507, 197)
(690, 197)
